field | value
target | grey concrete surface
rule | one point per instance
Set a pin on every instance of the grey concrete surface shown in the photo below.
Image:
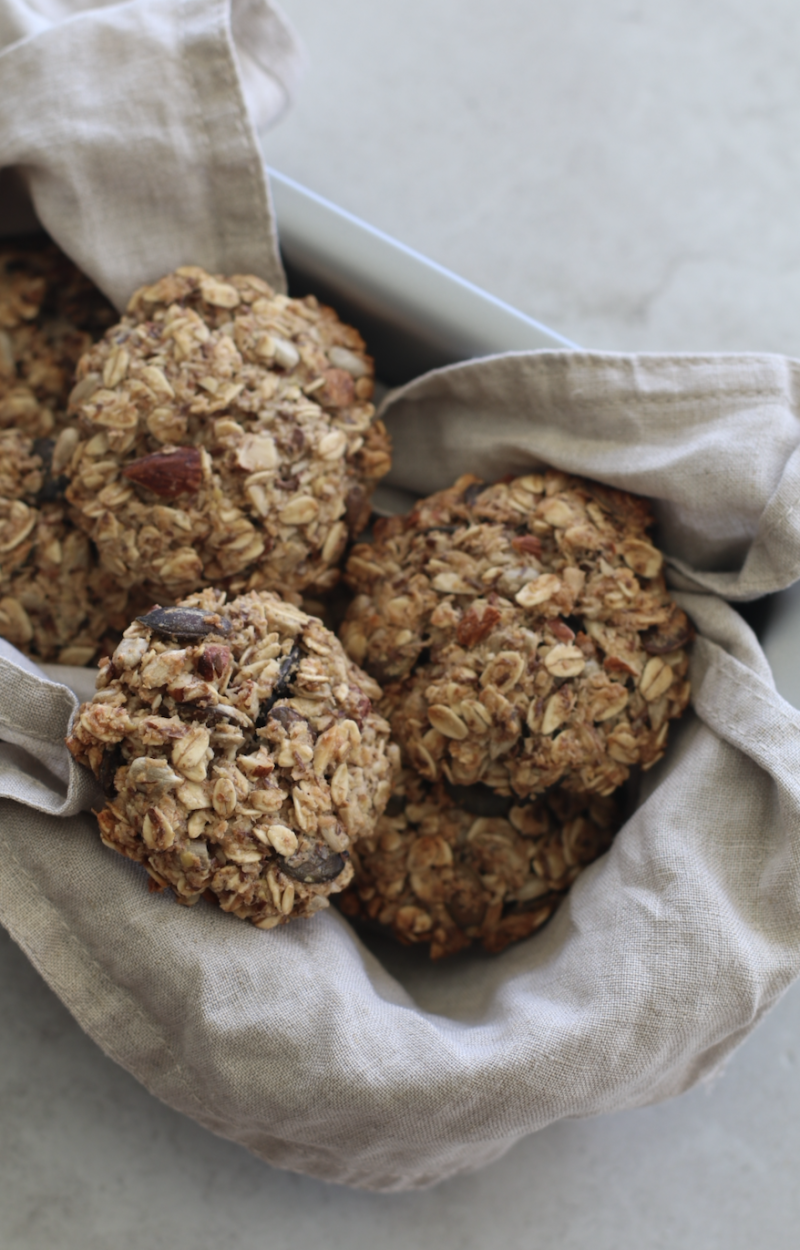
(623, 170)
(626, 171)
(90, 1161)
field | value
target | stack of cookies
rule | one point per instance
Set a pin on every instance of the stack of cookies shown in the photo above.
(173, 483)
(217, 435)
(215, 444)
(531, 658)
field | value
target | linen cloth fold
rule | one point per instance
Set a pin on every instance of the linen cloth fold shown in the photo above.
(385, 1073)
(130, 128)
(131, 133)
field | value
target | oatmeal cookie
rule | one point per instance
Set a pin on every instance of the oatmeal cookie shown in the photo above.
(50, 314)
(227, 438)
(55, 602)
(526, 634)
(240, 754)
(435, 871)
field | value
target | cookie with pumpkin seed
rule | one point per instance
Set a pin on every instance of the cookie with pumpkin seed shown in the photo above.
(227, 438)
(524, 633)
(240, 753)
(450, 869)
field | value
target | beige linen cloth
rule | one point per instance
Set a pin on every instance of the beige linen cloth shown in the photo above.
(132, 128)
(301, 1043)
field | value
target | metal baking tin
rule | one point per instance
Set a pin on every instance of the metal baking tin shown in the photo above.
(416, 315)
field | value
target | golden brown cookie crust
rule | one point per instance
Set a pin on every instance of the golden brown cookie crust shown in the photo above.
(240, 752)
(435, 873)
(50, 313)
(227, 438)
(525, 634)
(55, 603)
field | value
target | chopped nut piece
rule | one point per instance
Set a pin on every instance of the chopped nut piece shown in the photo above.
(167, 474)
(190, 754)
(656, 679)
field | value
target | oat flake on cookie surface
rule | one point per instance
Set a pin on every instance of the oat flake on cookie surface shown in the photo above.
(450, 870)
(240, 754)
(525, 632)
(50, 313)
(226, 437)
(55, 603)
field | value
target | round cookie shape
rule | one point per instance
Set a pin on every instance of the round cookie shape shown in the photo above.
(240, 754)
(227, 438)
(525, 632)
(55, 602)
(436, 872)
(50, 313)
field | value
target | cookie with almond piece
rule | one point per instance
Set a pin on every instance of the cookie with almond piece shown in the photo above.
(227, 438)
(523, 632)
(240, 754)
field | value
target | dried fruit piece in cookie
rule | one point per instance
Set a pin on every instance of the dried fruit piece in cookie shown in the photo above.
(525, 632)
(240, 754)
(436, 871)
(50, 314)
(55, 603)
(227, 437)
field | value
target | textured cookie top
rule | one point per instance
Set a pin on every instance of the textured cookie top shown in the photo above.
(55, 602)
(436, 872)
(227, 437)
(528, 631)
(49, 315)
(240, 753)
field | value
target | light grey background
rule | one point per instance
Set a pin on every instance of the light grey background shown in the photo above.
(628, 173)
